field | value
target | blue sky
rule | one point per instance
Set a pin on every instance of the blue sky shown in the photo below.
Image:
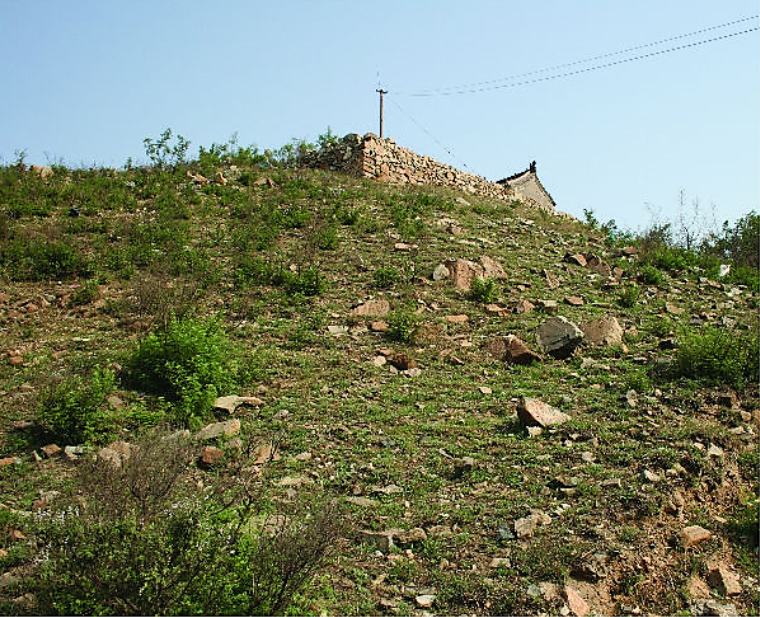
(85, 81)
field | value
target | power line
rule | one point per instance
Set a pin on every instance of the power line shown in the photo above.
(484, 86)
(429, 134)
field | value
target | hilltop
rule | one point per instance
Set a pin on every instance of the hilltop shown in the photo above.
(405, 400)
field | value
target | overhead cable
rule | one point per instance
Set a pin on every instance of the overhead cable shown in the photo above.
(497, 84)
(429, 134)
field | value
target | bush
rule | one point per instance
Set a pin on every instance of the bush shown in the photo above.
(629, 296)
(74, 410)
(483, 290)
(147, 540)
(41, 259)
(187, 361)
(403, 325)
(720, 355)
(651, 275)
(385, 278)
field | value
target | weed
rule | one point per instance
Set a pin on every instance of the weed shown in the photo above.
(720, 355)
(483, 290)
(629, 296)
(403, 325)
(73, 410)
(385, 278)
(162, 153)
(650, 275)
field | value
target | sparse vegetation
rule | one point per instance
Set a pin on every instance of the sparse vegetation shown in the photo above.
(133, 298)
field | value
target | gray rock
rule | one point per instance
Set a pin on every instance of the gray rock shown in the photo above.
(441, 273)
(217, 429)
(559, 337)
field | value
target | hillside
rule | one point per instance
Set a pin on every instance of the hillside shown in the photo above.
(370, 329)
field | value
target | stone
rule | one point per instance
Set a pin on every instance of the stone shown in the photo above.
(694, 534)
(295, 481)
(382, 539)
(485, 390)
(232, 402)
(379, 360)
(551, 279)
(51, 450)
(604, 331)
(517, 352)
(559, 337)
(364, 502)
(219, 429)
(574, 300)
(499, 562)
(714, 451)
(576, 259)
(522, 307)
(491, 268)
(464, 466)
(548, 306)
(425, 600)
(372, 308)
(265, 453)
(402, 362)
(673, 309)
(390, 489)
(463, 272)
(116, 453)
(725, 581)
(72, 453)
(403, 538)
(650, 476)
(575, 603)
(533, 412)
(8, 460)
(525, 527)
(457, 318)
(379, 326)
(697, 588)
(211, 455)
(338, 330)
(441, 273)
(713, 607)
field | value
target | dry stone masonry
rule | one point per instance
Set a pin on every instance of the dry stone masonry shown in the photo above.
(383, 159)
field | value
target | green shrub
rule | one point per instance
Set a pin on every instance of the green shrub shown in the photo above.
(720, 355)
(651, 275)
(385, 278)
(75, 409)
(43, 259)
(403, 325)
(149, 542)
(629, 296)
(309, 282)
(483, 290)
(187, 361)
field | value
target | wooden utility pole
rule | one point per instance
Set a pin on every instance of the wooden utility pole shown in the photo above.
(381, 91)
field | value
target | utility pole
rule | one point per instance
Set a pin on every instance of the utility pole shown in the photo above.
(381, 91)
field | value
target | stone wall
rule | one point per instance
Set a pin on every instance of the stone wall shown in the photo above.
(372, 157)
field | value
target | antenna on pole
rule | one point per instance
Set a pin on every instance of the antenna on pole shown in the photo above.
(382, 92)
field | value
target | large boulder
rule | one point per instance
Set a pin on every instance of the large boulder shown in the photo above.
(559, 337)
